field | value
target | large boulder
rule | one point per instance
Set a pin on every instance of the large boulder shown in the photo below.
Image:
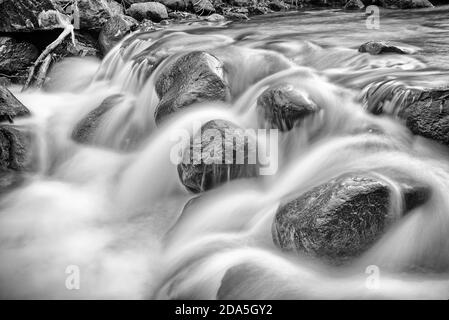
(10, 107)
(283, 106)
(15, 148)
(16, 56)
(154, 11)
(340, 219)
(114, 30)
(85, 46)
(93, 14)
(218, 141)
(424, 111)
(379, 47)
(85, 130)
(194, 77)
(22, 15)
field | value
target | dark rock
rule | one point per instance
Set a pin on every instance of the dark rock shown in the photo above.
(114, 30)
(284, 107)
(22, 15)
(154, 11)
(85, 130)
(258, 10)
(212, 170)
(175, 5)
(15, 148)
(10, 107)
(16, 56)
(277, 5)
(379, 47)
(406, 4)
(424, 111)
(93, 14)
(354, 5)
(85, 46)
(194, 77)
(340, 219)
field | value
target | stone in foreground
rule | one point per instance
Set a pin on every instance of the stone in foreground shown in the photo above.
(215, 139)
(340, 219)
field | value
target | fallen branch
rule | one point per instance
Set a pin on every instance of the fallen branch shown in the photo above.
(68, 30)
(43, 70)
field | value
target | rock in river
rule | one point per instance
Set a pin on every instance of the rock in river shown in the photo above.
(114, 30)
(194, 77)
(341, 218)
(22, 15)
(379, 47)
(154, 11)
(283, 106)
(215, 142)
(16, 56)
(10, 106)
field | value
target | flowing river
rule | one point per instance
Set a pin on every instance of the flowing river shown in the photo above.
(112, 209)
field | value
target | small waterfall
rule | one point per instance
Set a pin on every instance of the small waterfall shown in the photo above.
(115, 206)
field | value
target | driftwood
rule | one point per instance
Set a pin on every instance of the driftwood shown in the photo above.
(42, 59)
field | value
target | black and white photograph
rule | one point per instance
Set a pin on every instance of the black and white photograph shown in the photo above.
(232, 150)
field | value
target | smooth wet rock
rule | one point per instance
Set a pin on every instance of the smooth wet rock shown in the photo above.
(154, 11)
(22, 15)
(354, 5)
(16, 56)
(424, 111)
(93, 14)
(284, 107)
(194, 77)
(406, 4)
(114, 30)
(10, 106)
(379, 47)
(15, 148)
(212, 170)
(342, 218)
(85, 130)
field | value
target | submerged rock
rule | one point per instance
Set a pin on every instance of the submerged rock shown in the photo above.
(194, 77)
(154, 11)
(284, 107)
(379, 47)
(85, 130)
(114, 30)
(22, 15)
(10, 106)
(216, 140)
(340, 219)
(16, 56)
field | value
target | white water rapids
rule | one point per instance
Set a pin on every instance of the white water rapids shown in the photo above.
(112, 208)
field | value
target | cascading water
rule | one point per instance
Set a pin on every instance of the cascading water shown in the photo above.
(113, 207)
